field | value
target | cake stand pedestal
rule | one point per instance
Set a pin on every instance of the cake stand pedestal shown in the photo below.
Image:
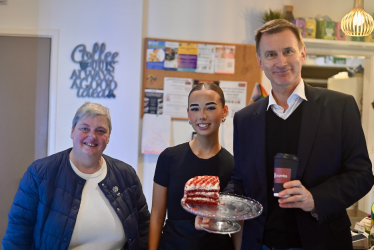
(223, 216)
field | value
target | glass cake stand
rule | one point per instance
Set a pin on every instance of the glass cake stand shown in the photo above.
(231, 208)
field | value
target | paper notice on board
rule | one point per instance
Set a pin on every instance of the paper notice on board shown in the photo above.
(225, 59)
(156, 133)
(155, 54)
(187, 56)
(205, 58)
(235, 95)
(171, 55)
(176, 92)
(153, 101)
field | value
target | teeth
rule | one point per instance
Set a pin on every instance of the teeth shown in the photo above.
(203, 125)
(89, 144)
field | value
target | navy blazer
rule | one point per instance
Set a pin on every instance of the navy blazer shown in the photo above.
(334, 166)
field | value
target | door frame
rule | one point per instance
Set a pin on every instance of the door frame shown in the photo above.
(53, 76)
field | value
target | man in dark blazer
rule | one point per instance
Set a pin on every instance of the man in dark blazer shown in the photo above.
(322, 128)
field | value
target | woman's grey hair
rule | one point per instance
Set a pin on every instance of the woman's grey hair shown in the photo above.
(90, 109)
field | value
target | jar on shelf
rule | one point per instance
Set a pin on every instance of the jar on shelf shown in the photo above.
(288, 13)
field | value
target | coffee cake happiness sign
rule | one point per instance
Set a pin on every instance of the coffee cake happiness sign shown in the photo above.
(95, 76)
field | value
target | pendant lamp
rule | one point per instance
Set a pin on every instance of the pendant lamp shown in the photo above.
(357, 22)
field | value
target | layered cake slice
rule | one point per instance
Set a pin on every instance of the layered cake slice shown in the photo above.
(202, 190)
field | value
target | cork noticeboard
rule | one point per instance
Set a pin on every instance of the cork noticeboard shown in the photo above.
(246, 69)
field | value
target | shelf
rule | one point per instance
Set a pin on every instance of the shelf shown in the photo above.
(337, 47)
(333, 61)
(309, 65)
(339, 43)
(320, 73)
(315, 81)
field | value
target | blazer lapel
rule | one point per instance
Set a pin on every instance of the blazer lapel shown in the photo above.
(309, 124)
(259, 135)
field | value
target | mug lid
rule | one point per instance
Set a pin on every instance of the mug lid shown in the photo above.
(286, 156)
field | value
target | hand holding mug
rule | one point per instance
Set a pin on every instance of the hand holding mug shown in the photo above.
(295, 195)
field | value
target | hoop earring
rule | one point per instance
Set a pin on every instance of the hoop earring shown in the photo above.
(189, 121)
(223, 119)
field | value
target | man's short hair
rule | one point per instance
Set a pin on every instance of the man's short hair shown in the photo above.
(276, 26)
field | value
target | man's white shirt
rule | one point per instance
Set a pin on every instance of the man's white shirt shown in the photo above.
(295, 99)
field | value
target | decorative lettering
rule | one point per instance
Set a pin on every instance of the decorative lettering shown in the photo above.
(95, 76)
(280, 175)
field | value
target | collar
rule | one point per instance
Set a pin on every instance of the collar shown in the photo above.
(299, 91)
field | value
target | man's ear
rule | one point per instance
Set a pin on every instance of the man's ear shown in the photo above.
(71, 133)
(303, 54)
(259, 61)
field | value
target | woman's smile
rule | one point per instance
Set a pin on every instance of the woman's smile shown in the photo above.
(89, 144)
(203, 125)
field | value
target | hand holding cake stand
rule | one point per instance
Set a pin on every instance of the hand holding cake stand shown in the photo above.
(231, 208)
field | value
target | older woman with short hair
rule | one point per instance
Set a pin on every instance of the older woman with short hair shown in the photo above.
(80, 198)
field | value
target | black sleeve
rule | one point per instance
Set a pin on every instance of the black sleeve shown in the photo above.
(162, 176)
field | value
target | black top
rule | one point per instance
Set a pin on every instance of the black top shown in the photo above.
(175, 166)
(282, 136)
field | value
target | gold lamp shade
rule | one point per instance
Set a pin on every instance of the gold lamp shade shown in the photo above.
(357, 22)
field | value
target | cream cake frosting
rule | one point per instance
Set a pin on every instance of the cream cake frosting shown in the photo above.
(202, 190)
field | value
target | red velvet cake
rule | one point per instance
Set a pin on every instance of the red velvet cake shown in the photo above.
(202, 190)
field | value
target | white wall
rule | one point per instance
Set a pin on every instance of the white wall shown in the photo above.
(208, 20)
(119, 25)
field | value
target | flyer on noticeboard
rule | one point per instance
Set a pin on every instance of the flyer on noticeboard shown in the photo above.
(235, 95)
(205, 58)
(155, 133)
(225, 59)
(176, 92)
(153, 101)
(155, 54)
(187, 56)
(171, 55)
